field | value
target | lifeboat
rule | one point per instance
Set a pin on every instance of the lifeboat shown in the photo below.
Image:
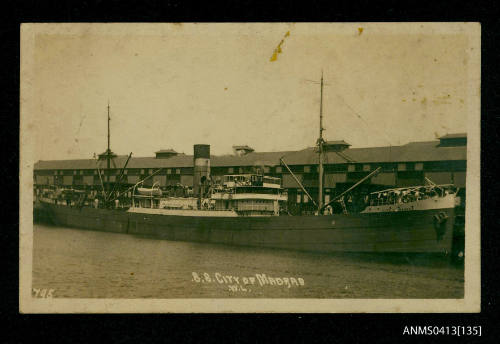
(149, 191)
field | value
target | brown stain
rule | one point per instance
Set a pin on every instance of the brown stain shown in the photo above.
(424, 100)
(278, 50)
(131, 274)
(403, 100)
(225, 88)
(360, 31)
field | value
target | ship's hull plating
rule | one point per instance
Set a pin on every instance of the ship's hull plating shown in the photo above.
(429, 231)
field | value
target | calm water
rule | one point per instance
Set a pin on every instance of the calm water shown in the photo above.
(85, 264)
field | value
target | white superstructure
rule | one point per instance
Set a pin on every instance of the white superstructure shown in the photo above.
(412, 198)
(241, 195)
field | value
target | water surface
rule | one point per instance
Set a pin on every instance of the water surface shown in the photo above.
(87, 264)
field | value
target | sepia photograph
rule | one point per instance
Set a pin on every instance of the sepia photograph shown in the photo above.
(250, 167)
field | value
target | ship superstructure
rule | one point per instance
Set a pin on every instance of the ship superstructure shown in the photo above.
(242, 195)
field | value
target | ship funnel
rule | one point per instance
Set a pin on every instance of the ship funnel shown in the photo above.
(201, 168)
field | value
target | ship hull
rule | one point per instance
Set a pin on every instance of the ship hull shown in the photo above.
(423, 231)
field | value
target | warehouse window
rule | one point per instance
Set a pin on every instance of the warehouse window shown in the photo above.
(307, 169)
(169, 171)
(401, 167)
(177, 171)
(419, 166)
(266, 169)
(142, 171)
(366, 167)
(278, 169)
(240, 170)
(351, 168)
(298, 198)
(306, 199)
(230, 170)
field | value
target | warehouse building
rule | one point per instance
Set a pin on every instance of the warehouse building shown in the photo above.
(443, 161)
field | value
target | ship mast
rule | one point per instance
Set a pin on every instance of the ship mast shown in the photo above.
(108, 156)
(320, 149)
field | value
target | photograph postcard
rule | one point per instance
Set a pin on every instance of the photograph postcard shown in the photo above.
(250, 168)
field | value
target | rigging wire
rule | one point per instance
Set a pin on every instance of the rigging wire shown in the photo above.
(366, 123)
(362, 119)
(345, 157)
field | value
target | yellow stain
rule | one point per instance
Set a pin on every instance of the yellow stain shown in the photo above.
(278, 50)
(360, 31)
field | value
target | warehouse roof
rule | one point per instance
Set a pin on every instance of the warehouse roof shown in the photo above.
(414, 151)
(181, 160)
(166, 151)
(454, 136)
(337, 142)
(250, 159)
(245, 147)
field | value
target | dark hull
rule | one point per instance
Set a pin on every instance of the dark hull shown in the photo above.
(408, 232)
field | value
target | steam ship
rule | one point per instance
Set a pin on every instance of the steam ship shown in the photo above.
(251, 210)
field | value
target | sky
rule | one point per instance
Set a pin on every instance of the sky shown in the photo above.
(176, 85)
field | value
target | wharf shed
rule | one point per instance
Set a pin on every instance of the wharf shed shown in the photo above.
(442, 161)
